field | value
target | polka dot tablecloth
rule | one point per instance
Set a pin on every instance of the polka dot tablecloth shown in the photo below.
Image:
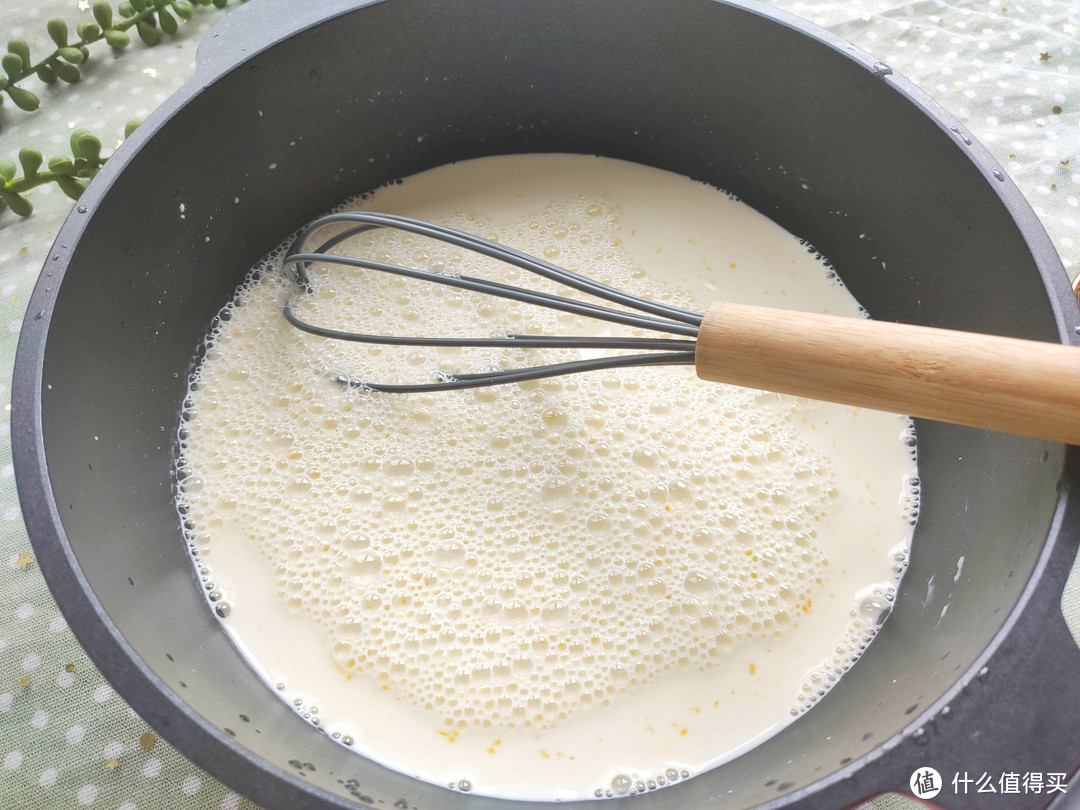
(1010, 71)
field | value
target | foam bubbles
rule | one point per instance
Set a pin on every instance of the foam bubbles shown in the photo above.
(502, 557)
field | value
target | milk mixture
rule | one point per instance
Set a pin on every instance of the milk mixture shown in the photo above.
(593, 585)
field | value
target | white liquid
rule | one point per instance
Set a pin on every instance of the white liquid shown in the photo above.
(587, 586)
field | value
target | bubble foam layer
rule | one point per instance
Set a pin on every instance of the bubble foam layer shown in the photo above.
(507, 558)
(513, 554)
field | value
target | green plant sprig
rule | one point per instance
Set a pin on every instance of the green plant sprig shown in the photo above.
(149, 18)
(71, 174)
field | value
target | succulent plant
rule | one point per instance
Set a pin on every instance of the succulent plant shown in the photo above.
(150, 19)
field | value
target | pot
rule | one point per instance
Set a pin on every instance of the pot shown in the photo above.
(294, 108)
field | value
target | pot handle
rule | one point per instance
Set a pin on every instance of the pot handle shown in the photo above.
(258, 24)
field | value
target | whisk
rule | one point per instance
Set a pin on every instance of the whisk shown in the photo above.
(1005, 384)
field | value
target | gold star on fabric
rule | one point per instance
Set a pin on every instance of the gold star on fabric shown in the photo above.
(84, 5)
(1066, 165)
(1044, 57)
(24, 682)
(1069, 28)
(24, 559)
(112, 763)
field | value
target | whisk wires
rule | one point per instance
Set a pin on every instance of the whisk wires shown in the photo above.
(643, 313)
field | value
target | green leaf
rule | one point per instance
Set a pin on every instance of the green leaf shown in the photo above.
(220, 3)
(46, 74)
(19, 46)
(7, 169)
(17, 203)
(140, 5)
(147, 32)
(12, 64)
(167, 22)
(66, 72)
(73, 55)
(58, 30)
(61, 164)
(85, 145)
(130, 127)
(117, 39)
(184, 10)
(76, 135)
(24, 99)
(31, 160)
(87, 31)
(71, 187)
(103, 13)
(3, 86)
(126, 9)
(20, 205)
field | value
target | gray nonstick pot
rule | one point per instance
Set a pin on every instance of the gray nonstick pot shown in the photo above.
(296, 106)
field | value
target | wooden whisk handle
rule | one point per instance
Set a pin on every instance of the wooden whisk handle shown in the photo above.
(1014, 386)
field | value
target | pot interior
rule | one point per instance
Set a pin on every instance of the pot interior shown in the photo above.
(798, 129)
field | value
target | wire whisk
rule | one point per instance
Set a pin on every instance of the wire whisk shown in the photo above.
(1017, 386)
(646, 314)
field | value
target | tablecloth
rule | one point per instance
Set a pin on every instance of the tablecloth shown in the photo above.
(1009, 71)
